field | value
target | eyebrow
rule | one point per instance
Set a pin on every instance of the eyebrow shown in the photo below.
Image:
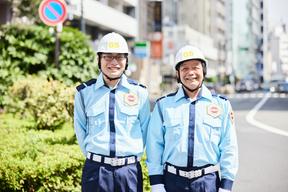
(114, 54)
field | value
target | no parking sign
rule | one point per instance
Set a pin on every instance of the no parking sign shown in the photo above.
(53, 12)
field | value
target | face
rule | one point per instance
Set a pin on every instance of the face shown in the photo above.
(113, 64)
(191, 73)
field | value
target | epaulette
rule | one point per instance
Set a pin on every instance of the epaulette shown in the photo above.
(220, 96)
(86, 84)
(133, 82)
(169, 95)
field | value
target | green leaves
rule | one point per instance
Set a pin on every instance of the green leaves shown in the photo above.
(31, 49)
(31, 162)
(41, 160)
(49, 102)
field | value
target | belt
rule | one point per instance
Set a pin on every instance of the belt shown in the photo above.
(113, 161)
(194, 173)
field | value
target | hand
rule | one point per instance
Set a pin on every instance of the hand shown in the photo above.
(223, 190)
(158, 188)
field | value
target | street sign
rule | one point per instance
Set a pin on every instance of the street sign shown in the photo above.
(53, 12)
(141, 49)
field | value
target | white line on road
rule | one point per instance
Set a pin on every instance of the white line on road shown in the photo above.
(250, 118)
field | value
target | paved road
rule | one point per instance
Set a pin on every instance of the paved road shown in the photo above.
(263, 154)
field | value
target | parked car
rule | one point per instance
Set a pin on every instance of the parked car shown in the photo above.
(247, 84)
(273, 84)
(282, 87)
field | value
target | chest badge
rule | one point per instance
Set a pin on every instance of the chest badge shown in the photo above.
(130, 99)
(214, 110)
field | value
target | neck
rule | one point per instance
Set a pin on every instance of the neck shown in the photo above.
(110, 83)
(192, 94)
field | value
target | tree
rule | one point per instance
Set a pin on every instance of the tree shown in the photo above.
(25, 11)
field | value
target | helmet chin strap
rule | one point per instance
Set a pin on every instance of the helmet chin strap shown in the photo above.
(114, 78)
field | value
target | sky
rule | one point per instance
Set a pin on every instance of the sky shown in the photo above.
(277, 12)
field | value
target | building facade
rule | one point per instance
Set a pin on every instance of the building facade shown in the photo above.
(278, 54)
(247, 38)
(102, 16)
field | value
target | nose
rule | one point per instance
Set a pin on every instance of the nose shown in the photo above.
(191, 72)
(114, 60)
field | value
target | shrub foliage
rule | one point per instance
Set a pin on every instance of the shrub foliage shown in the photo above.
(28, 49)
(41, 160)
(48, 102)
(34, 160)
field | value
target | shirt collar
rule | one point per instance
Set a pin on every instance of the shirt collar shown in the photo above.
(100, 81)
(204, 92)
(123, 81)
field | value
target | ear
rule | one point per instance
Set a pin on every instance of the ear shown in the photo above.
(99, 61)
(178, 76)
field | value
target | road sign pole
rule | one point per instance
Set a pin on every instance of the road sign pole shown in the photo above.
(57, 49)
(82, 20)
(57, 44)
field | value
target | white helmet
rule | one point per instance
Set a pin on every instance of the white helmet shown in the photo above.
(189, 52)
(112, 43)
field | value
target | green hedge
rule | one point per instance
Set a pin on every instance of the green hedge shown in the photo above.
(41, 160)
(49, 102)
(38, 160)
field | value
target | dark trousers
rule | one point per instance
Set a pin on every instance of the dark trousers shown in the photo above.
(99, 177)
(206, 183)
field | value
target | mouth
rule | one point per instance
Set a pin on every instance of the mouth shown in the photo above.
(191, 79)
(114, 68)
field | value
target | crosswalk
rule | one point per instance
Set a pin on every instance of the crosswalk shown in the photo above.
(256, 95)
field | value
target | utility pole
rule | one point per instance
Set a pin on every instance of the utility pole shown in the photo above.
(82, 20)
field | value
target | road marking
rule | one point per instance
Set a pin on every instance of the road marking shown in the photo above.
(250, 118)
(256, 95)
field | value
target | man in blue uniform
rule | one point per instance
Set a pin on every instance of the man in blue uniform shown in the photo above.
(111, 116)
(191, 140)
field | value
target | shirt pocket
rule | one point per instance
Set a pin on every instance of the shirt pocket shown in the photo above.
(129, 116)
(173, 128)
(213, 127)
(96, 119)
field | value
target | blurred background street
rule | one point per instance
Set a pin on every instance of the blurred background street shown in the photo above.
(262, 147)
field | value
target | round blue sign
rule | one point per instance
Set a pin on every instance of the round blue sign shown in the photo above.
(53, 12)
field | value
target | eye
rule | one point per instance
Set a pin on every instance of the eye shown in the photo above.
(120, 57)
(110, 57)
(184, 68)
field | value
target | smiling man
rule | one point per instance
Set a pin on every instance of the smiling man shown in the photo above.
(191, 140)
(111, 116)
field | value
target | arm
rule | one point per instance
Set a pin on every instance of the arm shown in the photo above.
(80, 121)
(229, 150)
(144, 116)
(155, 146)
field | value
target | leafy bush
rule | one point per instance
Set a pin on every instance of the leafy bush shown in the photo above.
(48, 102)
(77, 60)
(34, 160)
(28, 49)
(27, 9)
(43, 160)
(146, 183)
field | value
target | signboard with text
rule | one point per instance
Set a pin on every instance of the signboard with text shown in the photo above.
(141, 49)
